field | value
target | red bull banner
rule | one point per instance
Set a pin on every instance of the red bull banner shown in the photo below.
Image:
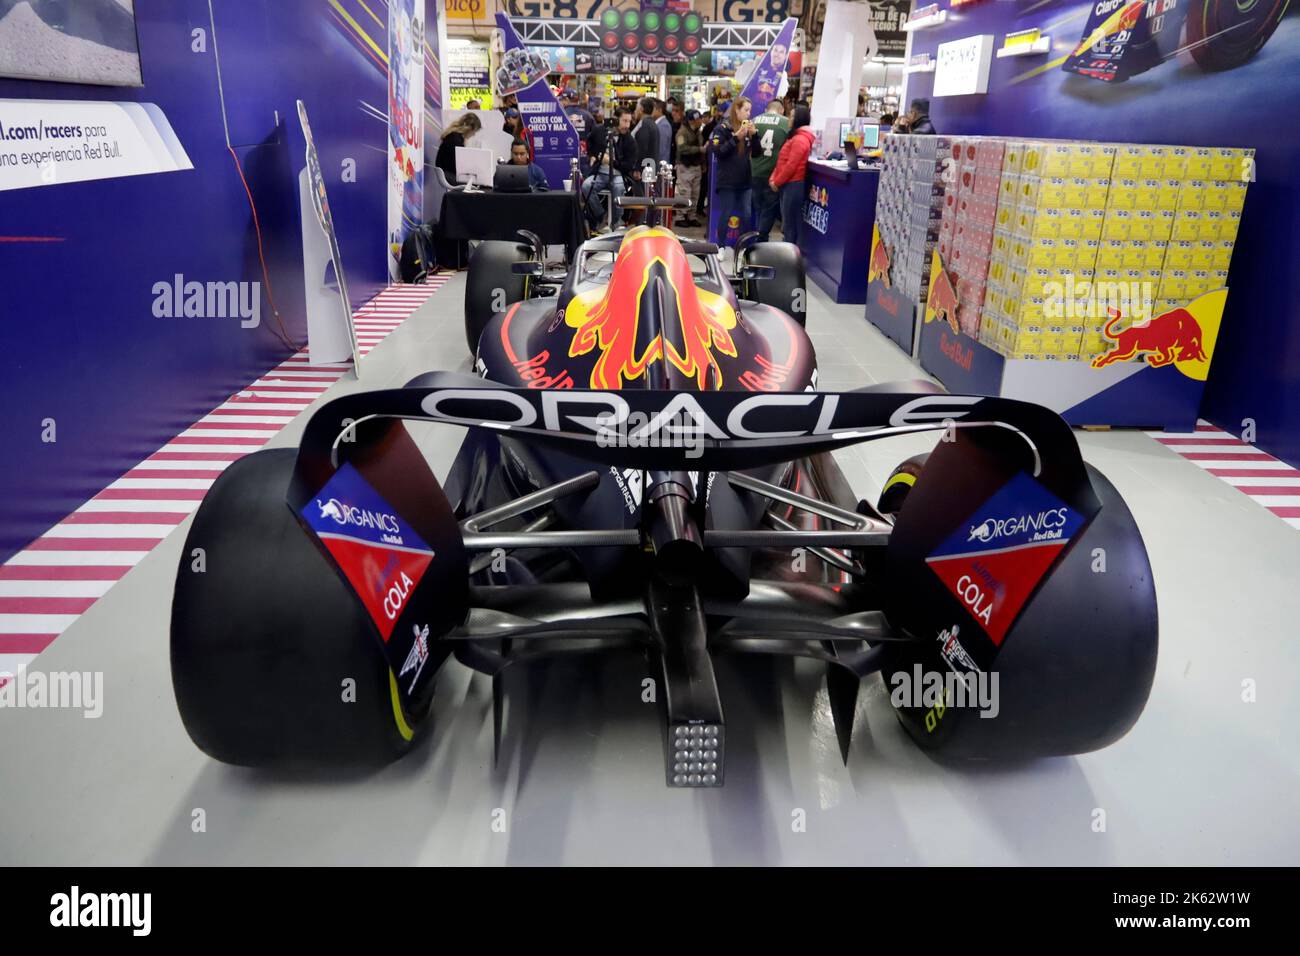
(522, 74)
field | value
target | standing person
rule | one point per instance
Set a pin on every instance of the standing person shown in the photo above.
(613, 166)
(664, 126)
(773, 128)
(645, 132)
(731, 142)
(916, 119)
(676, 116)
(584, 124)
(456, 133)
(690, 160)
(791, 169)
(706, 163)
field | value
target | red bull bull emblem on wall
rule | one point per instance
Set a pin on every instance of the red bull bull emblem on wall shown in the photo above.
(1183, 337)
(941, 301)
(879, 262)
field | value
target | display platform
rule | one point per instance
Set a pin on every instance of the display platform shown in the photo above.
(836, 232)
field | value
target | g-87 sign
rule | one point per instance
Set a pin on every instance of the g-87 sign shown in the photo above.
(723, 11)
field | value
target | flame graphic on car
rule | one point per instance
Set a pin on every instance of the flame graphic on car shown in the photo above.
(620, 319)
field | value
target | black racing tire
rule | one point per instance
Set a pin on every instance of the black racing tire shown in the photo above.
(1224, 34)
(1075, 670)
(265, 635)
(490, 268)
(788, 289)
(900, 482)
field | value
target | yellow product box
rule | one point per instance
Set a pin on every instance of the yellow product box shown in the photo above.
(1005, 217)
(1091, 222)
(1096, 190)
(1127, 161)
(1118, 225)
(1173, 284)
(1040, 253)
(1093, 344)
(1143, 228)
(1011, 154)
(1227, 226)
(1230, 163)
(1220, 278)
(1020, 250)
(1077, 256)
(1216, 196)
(1123, 194)
(1187, 224)
(1231, 196)
(1174, 162)
(1103, 161)
(997, 271)
(1112, 253)
(1029, 189)
(1200, 159)
(1153, 256)
(1000, 248)
(1199, 282)
(1181, 254)
(1163, 224)
(1028, 342)
(1055, 191)
(1046, 223)
(1014, 283)
(1057, 158)
(1009, 189)
(1031, 158)
(1193, 194)
(1165, 193)
(1214, 254)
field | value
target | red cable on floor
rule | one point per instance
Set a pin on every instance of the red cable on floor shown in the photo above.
(283, 333)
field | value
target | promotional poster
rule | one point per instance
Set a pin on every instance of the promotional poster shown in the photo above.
(89, 41)
(767, 82)
(405, 124)
(522, 74)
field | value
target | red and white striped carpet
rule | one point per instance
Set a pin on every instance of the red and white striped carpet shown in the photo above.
(1255, 473)
(45, 587)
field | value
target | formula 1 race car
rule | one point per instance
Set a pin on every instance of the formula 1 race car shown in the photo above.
(1123, 38)
(647, 469)
(521, 68)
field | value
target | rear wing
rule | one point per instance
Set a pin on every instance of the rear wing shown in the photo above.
(697, 431)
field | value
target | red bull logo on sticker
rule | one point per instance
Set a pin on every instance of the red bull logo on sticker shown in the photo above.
(941, 301)
(879, 261)
(993, 561)
(379, 553)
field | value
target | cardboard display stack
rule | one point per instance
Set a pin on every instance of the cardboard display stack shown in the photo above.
(909, 207)
(1043, 241)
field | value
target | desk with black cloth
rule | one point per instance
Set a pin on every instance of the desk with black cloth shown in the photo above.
(555, 216)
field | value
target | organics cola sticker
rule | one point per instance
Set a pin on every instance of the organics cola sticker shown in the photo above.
(378, 551)
(51, 142)
(995, 559)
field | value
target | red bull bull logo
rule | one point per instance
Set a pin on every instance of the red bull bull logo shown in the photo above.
(942, 301)
(878, 265)
(1173, 336)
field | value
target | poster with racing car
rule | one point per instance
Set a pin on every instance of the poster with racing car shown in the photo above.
(522, 74)
(405, 125)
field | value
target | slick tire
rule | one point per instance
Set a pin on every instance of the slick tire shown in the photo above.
(787, 290)
(900, 482)
(491, 286)
(1224, 34)
(1075, 670)
(266, 636)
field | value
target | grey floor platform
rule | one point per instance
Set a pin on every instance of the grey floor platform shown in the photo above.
(1204, 778)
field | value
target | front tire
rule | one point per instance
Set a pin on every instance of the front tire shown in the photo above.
(492, 286)
(788, 289)
(1224, 34)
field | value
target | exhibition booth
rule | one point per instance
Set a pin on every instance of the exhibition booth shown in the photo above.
(396, 472)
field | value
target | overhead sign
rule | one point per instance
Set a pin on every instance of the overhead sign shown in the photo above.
(49, 142)
(962, 66)
(468, 10)
(887, 19)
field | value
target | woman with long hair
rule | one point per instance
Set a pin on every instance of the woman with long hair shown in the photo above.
(464, 126)
(732, 141)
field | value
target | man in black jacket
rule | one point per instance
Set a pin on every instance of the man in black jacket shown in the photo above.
(612, 167)
(646, 132)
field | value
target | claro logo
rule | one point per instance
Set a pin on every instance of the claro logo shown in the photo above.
(1107, 6)
(1043, 525)
(345, 514)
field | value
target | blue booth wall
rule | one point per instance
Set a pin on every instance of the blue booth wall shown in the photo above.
(79, 343)
(1255, 368)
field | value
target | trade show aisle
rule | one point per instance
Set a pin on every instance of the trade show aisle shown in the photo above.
(1205, 776)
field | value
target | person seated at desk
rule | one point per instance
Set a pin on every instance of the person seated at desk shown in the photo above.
(519, 157)
(455, 135)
